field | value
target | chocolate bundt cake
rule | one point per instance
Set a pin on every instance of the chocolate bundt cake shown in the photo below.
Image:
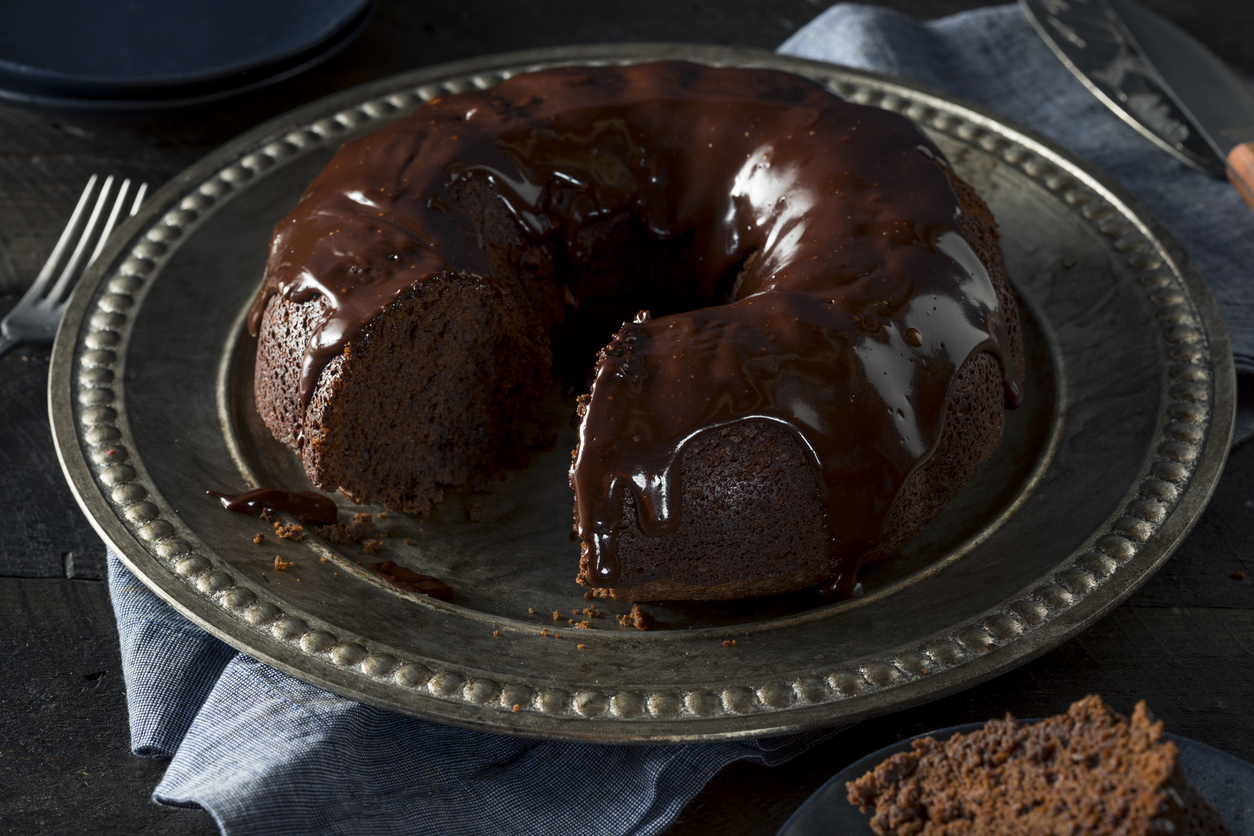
(1089, 771)
(819, 343)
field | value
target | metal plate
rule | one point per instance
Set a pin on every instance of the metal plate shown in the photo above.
(1102, 472)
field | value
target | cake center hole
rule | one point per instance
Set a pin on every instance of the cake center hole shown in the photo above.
(610, 272)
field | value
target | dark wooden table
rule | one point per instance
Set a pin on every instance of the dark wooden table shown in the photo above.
(1184, 642)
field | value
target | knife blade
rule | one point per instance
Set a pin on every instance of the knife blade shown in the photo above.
(1158, 79)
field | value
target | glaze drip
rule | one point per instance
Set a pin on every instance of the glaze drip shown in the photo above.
(307, 506)
(856, 298)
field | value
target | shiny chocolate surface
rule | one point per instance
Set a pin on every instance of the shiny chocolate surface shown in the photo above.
(854, 302)
(307, 506)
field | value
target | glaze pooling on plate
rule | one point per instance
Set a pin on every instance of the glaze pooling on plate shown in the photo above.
(1120, 523)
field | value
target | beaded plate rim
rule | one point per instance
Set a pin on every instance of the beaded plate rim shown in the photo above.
(94, 446)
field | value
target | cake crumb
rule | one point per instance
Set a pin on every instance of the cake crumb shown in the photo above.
(557, 616)
(372, 546)
(587, 596)
(729, 643)
(259, 539)
(322, 559)
(544, 631)
(280, 564)
(557, 635)
(579, 646)
(382, 515)
(293, 532)
(474, 512)
(582, 625)
(590, 612)
(408, 541)
(638, 618)
(496, 632)
(1237, 576)
(530, 610)
(515, 706)
(361, 526)
(357, 530)
(266, 514)
(334, 533)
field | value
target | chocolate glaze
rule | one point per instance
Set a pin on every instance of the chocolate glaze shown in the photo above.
(857, 300)
(307, 506)
(411, 581)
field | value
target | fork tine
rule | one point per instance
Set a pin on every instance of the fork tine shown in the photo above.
(70, 273)
(50, 266)
(139, 198)
(113, 217)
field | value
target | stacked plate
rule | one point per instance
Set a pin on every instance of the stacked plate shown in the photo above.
(152, 54)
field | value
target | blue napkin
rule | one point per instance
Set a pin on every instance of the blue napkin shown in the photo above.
(267, 754)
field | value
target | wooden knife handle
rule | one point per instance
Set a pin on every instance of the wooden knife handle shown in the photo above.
(1241, 170)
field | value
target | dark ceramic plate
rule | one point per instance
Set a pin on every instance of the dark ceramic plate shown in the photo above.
(1227, 782)
(83, 54)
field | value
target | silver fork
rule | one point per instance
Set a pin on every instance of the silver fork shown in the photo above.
(35, 318)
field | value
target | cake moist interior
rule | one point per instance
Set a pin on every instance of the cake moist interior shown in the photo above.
(1089, 771)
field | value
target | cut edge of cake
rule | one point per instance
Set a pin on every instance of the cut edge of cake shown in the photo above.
(1090, 771)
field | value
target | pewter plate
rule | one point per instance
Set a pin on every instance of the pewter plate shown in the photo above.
(1101, 473)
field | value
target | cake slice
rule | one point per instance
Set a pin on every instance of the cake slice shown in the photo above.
(1089, 772)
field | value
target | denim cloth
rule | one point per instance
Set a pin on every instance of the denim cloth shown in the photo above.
(994, 57)
(265, 753)
(268, 754)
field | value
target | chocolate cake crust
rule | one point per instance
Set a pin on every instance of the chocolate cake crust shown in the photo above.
(780, 252)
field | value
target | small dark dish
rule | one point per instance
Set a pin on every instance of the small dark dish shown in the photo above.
(149, 55)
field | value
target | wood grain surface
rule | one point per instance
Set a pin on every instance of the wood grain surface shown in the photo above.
(1183, 642)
